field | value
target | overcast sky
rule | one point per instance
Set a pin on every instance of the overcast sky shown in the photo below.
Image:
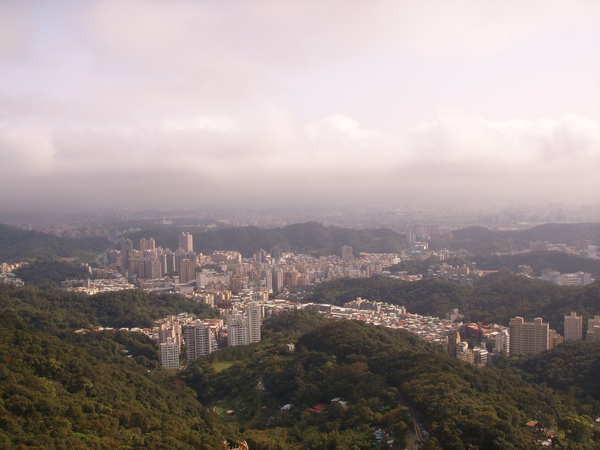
(164, 104)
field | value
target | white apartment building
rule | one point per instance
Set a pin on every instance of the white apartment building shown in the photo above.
(169, 354)
(528, 337)
(502, 342)
(243, 327)
(593, 331)
(199, 340)
(573, 327)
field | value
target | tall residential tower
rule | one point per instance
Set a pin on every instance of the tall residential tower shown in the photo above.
(528, 337)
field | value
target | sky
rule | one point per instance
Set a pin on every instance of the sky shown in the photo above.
(139, 104)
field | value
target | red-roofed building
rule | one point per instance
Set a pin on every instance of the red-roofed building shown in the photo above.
(318, 408)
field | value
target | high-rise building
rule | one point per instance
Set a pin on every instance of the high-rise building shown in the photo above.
(276, 253)
(346, 252)
(260, 255)
(573, 327)
(152, 268)
(199, 340)
(253, 313)
(593, 331)
(237, 329)
(135, 266)
(410, 238)
(528, 337)
(169, 329)
(186, 271)
(186, 242)
(290, 278)
(126, 252)
(243, 327)
(147, 245)
(480, 356)
(277, 279)
(269, 280)
(453, 341)
(169, 354)
(502, 342)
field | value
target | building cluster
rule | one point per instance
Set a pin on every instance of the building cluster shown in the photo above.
(153, 267)
(458, 275)
(521, 337)
(489, 341)
(202, 337)
(7, 276)
(431, 329)
(92, 286)
(477, 343)
(574, 330)
(582, 248)
(151, 262)
(567, 279)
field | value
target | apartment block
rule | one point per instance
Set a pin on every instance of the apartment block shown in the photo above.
(573, 327)
(528, 337)
(199, 340)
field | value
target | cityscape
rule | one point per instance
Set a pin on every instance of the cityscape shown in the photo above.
(247, 290)
(299, 225)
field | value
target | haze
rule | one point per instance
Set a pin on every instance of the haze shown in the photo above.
(154, 104)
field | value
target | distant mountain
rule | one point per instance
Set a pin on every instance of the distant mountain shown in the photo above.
(18, 245)
(482, 240)
(555, 233)
(309, 237)
(474, 232)
(559, 261)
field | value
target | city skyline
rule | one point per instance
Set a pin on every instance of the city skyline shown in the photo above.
(134, 105)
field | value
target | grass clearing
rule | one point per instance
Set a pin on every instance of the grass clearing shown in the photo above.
(220, 366)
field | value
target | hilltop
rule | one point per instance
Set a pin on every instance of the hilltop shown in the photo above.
(19, 245)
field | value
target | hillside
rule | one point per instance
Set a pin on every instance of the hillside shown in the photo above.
(20, 245)
(106, 390)
(384, 378)
(57, 394)
(57, 311)
(495, 298)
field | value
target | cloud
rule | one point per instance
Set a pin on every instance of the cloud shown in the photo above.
(146, 103)
(457, 136)
(15, 31)
(181, 161)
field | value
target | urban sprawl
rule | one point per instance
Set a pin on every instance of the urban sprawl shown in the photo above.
(246, 290)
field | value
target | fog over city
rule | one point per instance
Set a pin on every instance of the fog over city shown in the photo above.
(193, 104)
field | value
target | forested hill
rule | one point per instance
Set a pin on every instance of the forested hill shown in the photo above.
(60, 389)
(479, 239)
(364, 378)
(495, 298)
(19, 245)
(58, 311)
(88, 394)
(310, 237)
(557, 233)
